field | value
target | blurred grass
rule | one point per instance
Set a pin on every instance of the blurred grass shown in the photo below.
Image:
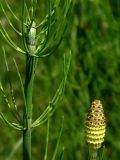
(94, 37)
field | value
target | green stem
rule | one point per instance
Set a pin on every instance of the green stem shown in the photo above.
(93, 154)
(27, 117)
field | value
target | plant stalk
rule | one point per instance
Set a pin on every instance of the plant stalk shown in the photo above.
(93, 154)
(27, 116)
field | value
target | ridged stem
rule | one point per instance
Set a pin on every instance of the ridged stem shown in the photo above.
(27, 117)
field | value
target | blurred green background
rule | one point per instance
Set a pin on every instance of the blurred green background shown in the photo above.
(93, 35)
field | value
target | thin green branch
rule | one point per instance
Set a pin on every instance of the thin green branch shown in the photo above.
(61, 155)
(58, 142)
(8, 6)
(33, 9)
(56, 32)
(13, 125)
(42, 117)
(9, 21)
(40, 123)
(25, 20)
(14, 108)
(15, 148)
(4, 95)
(9, 40)
(45, 20)
(6, 63)
(47, 139)
(27, 12)
(58, 95)
(59, 92)
(39, 49)
(16, 115)
(20, 79)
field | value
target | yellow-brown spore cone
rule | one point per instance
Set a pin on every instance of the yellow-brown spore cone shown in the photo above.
(95, 125)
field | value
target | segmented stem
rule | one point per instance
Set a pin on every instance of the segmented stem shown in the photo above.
(29, 79)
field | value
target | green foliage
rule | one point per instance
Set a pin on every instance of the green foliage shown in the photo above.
(93, 36)
(33, 50)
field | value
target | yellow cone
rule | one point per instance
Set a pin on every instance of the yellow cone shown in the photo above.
(95, 125)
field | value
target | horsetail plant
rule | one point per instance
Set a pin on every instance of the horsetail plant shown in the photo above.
(95, 128)
(35, 45)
